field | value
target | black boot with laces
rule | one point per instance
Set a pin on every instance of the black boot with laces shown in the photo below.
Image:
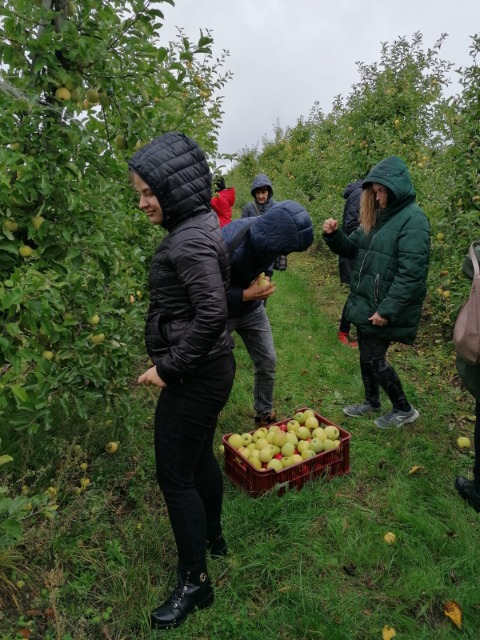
(193, 591)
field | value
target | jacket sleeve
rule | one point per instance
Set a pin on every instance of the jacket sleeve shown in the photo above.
(195, 258)
(341, 244)
(215, 204)
(248, 211)
(230, 195)
(409, 282)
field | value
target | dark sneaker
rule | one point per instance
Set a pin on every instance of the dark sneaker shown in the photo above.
(397, 418)
(470, 491)
(265, 419)
(359, 410)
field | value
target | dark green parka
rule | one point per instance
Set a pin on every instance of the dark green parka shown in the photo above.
(391, 261)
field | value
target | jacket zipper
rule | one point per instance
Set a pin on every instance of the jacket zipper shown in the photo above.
(376, 288)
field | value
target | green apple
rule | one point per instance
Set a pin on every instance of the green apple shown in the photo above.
(275, 464)
(311, 422)
(262, 442)
(463, 442)
(292, 425)
(319, 433)
(111, 447)
(247, 438)
(255, 462)
(329, 445)
(259, 433)
(266, 454)
(296, 458)
(309, 413)
(10, 224)
(279, 438)
(332, 432)
(302, 446)
(243, 451)
(303, 433)
(235, 441)
(292, 437)
(48, 355)
(299, 417)
(98, 338)
(251, 446)
(286, 461)
(288, 449)
(37, 222)
(316, 445)
(94, 320)
(307, 453)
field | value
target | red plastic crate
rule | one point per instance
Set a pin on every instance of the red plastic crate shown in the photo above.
(327, 464)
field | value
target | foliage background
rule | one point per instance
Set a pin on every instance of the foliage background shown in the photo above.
(85, 546)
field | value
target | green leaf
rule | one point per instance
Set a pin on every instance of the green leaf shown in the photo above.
(19, 392)
(12, 527)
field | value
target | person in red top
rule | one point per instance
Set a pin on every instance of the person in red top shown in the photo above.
(223, 201)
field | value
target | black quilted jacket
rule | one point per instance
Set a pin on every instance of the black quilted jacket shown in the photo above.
(189, 274)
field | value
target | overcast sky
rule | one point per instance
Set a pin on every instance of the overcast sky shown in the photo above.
(287, 54)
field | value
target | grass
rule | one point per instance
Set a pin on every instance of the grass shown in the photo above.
(310, 564)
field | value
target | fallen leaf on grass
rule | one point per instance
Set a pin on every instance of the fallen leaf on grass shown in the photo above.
(388, 632)
(453, 611)
(415, 469)
(25, 633)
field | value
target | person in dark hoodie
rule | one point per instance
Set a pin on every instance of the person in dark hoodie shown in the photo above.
(350, 222)
(284, 228)
(193, 366)
(262, 194)
(388, 284)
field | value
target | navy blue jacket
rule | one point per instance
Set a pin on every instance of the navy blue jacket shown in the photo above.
(285, 228)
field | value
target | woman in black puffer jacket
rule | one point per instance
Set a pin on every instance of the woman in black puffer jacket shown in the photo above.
(186, 339)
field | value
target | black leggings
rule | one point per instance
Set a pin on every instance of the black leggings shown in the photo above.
(377, 372)
(188, 473)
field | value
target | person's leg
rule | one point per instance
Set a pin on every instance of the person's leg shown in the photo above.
(476, 444)
(344, 326)
(386, 377)
(256, 333)
(371, 386)
(470, 489)
(190, 479)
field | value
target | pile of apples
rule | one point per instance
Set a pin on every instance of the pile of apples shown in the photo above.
(286, 443)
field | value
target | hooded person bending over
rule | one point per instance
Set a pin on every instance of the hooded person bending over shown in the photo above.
(388, 284)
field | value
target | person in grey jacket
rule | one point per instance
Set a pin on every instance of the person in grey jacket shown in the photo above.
(187, 341)
(262, 194)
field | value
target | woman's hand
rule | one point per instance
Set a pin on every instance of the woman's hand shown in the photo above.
(377, 320)
(151, 377)
(330, 226)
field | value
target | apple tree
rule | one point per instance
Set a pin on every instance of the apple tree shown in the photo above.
(82, 85)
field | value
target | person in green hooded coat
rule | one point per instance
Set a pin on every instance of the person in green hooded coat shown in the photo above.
(391, 250)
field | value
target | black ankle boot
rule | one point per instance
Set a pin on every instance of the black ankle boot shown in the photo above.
(470, 491)
(217, 547)
(191, 592)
